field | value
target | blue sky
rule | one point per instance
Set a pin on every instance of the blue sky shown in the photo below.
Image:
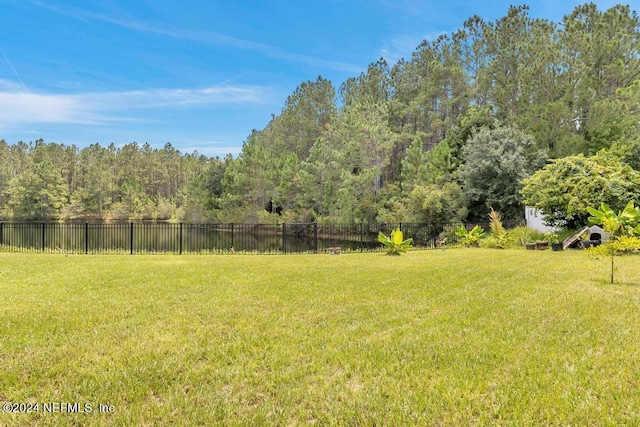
(200, 74)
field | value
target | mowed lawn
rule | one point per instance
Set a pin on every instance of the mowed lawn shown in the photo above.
(454, 337)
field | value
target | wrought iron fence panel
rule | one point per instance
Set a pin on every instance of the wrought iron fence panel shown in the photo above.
(178, 238)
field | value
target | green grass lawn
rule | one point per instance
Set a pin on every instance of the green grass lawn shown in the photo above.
(455, 337)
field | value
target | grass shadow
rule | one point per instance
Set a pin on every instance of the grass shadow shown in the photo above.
(607, 282)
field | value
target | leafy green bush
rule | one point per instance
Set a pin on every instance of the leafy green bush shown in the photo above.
(558, 190)
(521, 235)
(495, 163)
(469, 237)
(551, 237)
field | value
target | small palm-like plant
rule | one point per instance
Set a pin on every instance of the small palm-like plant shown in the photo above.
(623, 227)
(395, 243)
(551, 237)
(469, 237)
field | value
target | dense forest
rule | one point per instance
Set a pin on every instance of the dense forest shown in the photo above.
(482, 118)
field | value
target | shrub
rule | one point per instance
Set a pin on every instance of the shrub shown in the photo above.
(521, 235)
(395, 243)
(564, 189)
(499, 238)
(469, 237)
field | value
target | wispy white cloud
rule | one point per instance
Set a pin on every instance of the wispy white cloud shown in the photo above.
(201, 36)
(403, 46)
(22, 108)
(176, 98)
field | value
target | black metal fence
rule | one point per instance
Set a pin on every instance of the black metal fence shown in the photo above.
(179, 238)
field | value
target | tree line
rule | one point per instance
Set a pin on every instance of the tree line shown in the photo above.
(52, 181)
(449, 134)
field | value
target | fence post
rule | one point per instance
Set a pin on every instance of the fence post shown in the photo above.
(232, 243)
(86, 237)
(315, 237)
(1, 237)
(180, 238)
(284, 238)
(361, 237)
(131, 238)
(43, 225)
